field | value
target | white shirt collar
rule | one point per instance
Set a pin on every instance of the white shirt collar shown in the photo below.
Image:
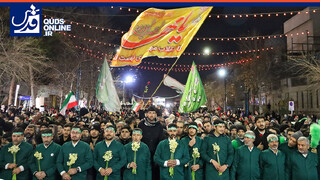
(74, 145)
(50, 144)
(109, 143)
(251, 148)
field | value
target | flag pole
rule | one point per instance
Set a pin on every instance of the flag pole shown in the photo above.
(162, 81)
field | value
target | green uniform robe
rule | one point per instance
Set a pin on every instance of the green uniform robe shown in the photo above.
(300, 168)
(246, 164)
(84, 161)
(272, 165)
(163, 154)
(236, 143)
(143, 161)
(48, 161)
(118, 160)
(226, 154)
(23, 158)
(187, 170)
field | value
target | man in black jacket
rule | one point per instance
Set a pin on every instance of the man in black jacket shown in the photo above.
(261, 133)
(152, 135)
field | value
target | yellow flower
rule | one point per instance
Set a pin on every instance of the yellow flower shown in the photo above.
(135, 146)
(216, 148)
(195, 153)
(173, 145)
(13, 149)
(73, 158)
(38, 155)
(107, 156)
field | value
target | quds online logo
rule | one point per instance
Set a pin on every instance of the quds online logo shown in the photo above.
(25, 20)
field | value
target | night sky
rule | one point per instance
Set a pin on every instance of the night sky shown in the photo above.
(212, 27)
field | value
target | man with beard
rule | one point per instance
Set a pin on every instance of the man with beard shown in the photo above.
(29, 134)
(65, 137)
(193, 141)
(143, 159)
(124, 137)
(239, 141)
(302, 164)
(118, 160)
(214, 169)
(207, 126)
(163, 156)
(49, 151)
(23, 157)
(246, 160)
(180, 133)
(272, 161)
(84, 160)
(152, 135)
(261, 133)
(95, 137)
(233, 132)
(289, 147)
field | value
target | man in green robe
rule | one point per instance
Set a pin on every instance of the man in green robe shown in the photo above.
(23, 157)
(302, 164)
(49, 151)
(76, 169)
(215, 169)
(246, 160)
(193, 141)
(239, 141)
(171, 159)
(118, 159)
(143, 159)
(272, 160)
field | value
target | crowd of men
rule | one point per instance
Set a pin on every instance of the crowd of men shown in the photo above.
(92, 144)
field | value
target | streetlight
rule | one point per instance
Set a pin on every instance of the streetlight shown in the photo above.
(207, 51)
(223, 74)
(128, 79)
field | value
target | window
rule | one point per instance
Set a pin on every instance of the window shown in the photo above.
(297, 100)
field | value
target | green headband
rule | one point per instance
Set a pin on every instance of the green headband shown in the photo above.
(272, 139)
(219, 124)
(76, 129)
(193, 126)
(138, 132)
(46, 134)
(172, 128)
(249, 136)
(17, 133)
(111, 129)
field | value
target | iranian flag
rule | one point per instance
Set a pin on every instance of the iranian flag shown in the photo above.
(135, 107)
(70, 102)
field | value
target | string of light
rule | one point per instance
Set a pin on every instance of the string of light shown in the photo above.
(240, 38)
(182, 66)
(211, 15)
(185, 53)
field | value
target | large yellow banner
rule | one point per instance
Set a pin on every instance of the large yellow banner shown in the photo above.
(158, 32)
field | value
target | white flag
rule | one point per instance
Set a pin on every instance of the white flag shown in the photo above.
(174, 84)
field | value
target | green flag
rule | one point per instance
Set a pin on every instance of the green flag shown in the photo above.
(194, 96)
(106, 91)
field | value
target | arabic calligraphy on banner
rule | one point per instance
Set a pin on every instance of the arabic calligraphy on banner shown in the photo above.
(161, 33)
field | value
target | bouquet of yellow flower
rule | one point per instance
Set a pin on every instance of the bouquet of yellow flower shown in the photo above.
(13, 150)
(173, 145)
(107, 157)
(216, 149)
(195, 155)
(73, 158)
(135, 147)
(38, 156)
